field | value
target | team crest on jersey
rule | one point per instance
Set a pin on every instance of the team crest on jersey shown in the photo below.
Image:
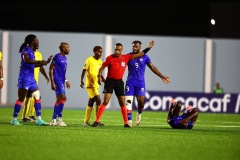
(123, 64)
(141, 59)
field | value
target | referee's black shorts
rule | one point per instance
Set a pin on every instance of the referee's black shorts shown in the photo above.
(114, 84)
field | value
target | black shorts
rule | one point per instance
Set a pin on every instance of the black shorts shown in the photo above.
(113, 84)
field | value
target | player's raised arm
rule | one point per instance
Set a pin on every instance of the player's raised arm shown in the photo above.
(150, 45)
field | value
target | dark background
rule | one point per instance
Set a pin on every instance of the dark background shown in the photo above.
(148, 17)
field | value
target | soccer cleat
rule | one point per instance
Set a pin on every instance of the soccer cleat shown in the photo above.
(127, 126)
(138, 119)
(25, 120)
(41, 122)
(101, 124)
(53, 123)
(32, 118)
(61, 123)
(95, 124)
(130, 123)
(15, 122)
(86, 124)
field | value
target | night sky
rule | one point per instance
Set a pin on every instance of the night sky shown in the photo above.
(148, 17)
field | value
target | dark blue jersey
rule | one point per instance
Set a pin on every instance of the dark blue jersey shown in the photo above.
(136, 70)
(27, 69)
(59, 73)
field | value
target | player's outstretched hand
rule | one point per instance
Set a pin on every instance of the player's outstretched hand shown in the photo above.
(49, 58)
(151, 43)
(166, 79)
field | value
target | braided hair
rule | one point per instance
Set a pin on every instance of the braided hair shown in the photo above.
(28, 40)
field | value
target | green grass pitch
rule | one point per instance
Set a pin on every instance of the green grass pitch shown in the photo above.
(214, 137)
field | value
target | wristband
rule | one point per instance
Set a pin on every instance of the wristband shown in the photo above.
(146, 50)
(1, 79)
(66, 80)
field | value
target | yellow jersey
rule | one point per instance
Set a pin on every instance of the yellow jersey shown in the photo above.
(92, 67)
(0, 55)
(38, 57)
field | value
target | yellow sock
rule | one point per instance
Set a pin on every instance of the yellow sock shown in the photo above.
(87, 114)
(32, 108)
(25, 107)
(96, 111)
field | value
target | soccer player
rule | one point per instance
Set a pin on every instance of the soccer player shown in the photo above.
(29, 101)
(184, 121)
(57, 74)
(91, 68)
(1, 71)
(135, 83)
(27, 85)
(116, 64)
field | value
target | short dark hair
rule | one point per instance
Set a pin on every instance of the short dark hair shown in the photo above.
(137, 41)
(62, 44)
(96, 48)
(119, 44)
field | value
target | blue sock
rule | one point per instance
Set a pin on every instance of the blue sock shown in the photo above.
(129, 112)
(139, 110)
(17, 108)
(61, 106)
(55, 111)
(38, 108)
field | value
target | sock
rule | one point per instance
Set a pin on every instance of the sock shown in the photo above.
(60, 109)
(96, 108)
(17, 108)
(25, 107)
(139, 110)
(54, 120)
(100, 112)
(129, 114)
(55, 111)
(37, 105)
(87, 114)
(124, 114)
(31, 107)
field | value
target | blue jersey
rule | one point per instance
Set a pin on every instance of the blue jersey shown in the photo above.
(59, 73)
(27, 69)
(136, 70)
(26, 78)
(175, 122)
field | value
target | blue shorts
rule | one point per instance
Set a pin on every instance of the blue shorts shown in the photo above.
(27, 83)
(132, 90)
(60, 88)
(175, 122)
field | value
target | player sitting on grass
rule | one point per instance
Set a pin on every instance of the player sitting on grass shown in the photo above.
(184, 121)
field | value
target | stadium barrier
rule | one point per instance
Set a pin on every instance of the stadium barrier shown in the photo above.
(205, 102)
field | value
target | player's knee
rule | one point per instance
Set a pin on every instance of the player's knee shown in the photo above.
(90, 102)
(36, 94)
(179, 105)
(128, 101)
(98, 102)
(195, 110)
(21, 99)
(62, 101)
